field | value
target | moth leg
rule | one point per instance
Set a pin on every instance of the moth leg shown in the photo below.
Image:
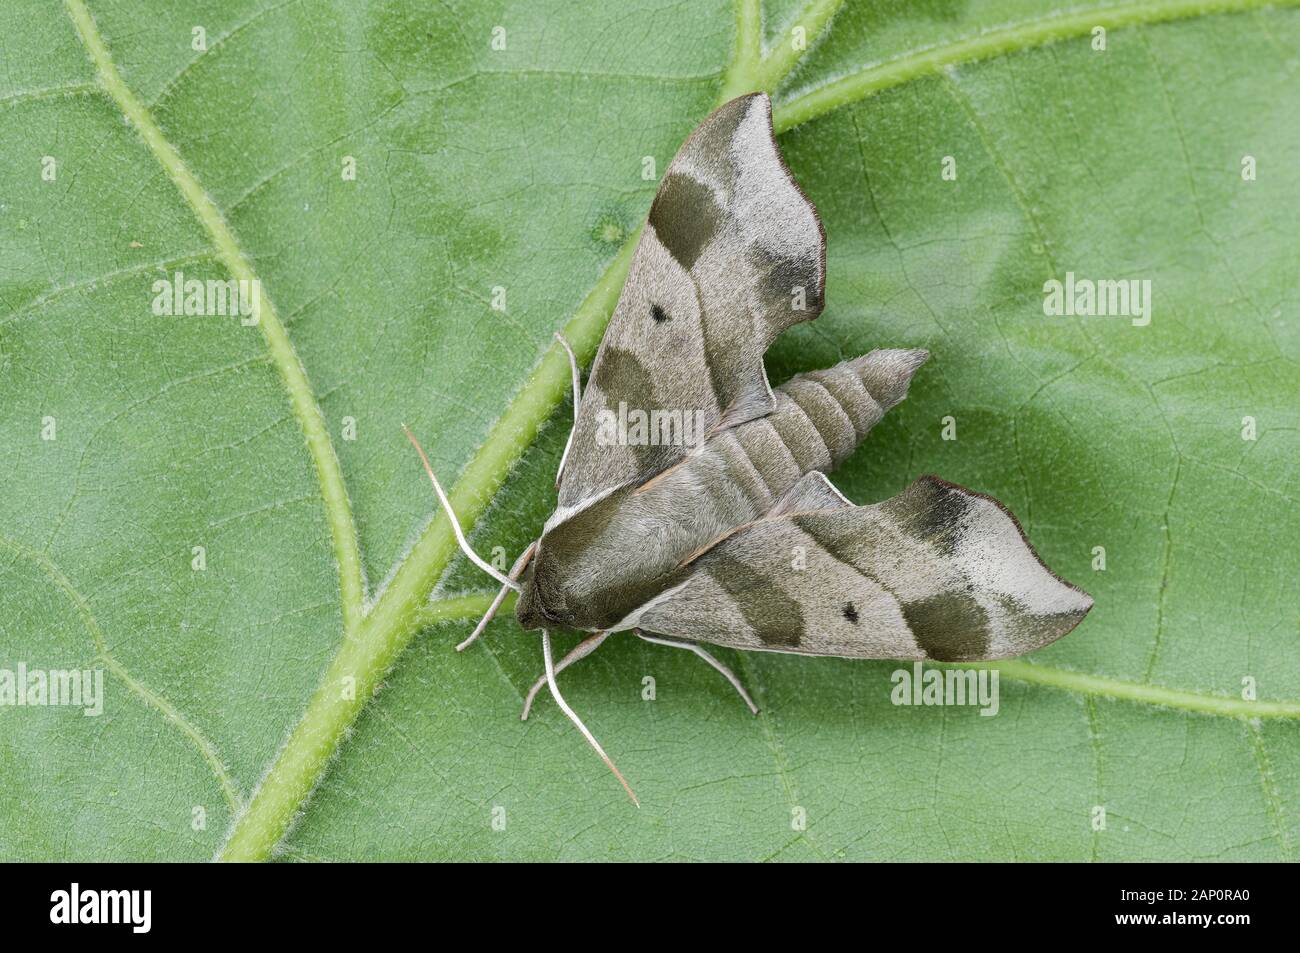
(727, 673)
(518, 568)
(580, 651)
(577, 400)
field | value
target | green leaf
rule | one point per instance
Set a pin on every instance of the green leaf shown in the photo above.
(299, 696)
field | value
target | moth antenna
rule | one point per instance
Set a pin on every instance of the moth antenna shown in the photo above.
(577, 399)
(455, 523)
(564, 707)
(573, 368)
(518, 567)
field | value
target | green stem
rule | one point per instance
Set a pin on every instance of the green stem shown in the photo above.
(368, 653)
(1010, 39)
(786, 54)
(461, 608)
(748, 52)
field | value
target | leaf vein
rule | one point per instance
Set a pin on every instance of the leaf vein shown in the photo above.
(811, 103)
(338, 508)
(153, 699)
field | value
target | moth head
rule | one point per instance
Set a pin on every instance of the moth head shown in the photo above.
(542, 602)
(583, 574)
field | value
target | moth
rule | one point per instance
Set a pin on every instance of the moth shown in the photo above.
(736, 537)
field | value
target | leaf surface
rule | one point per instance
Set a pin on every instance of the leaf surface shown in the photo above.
(521, 169)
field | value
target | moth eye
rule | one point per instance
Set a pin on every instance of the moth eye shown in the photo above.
(851, 612)
(658, 313)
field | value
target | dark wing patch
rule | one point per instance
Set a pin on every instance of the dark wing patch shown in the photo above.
(685, 217)
(949, 626)
(776, 618)
(626, 369)
(933, 511)
(782, 277)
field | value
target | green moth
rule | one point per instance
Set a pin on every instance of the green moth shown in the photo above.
(694, 506)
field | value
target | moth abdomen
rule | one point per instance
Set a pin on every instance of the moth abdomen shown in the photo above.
(839, 405)
(886, 373)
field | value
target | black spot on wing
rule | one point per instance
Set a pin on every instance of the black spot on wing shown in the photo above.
(773, 615)
(658, 314)
(685, 216)
(851, 612)
(949, 627)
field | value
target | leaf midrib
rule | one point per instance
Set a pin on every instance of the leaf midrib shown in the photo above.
(374, 639)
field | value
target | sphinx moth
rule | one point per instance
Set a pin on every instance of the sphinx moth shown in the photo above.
(737, 538)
